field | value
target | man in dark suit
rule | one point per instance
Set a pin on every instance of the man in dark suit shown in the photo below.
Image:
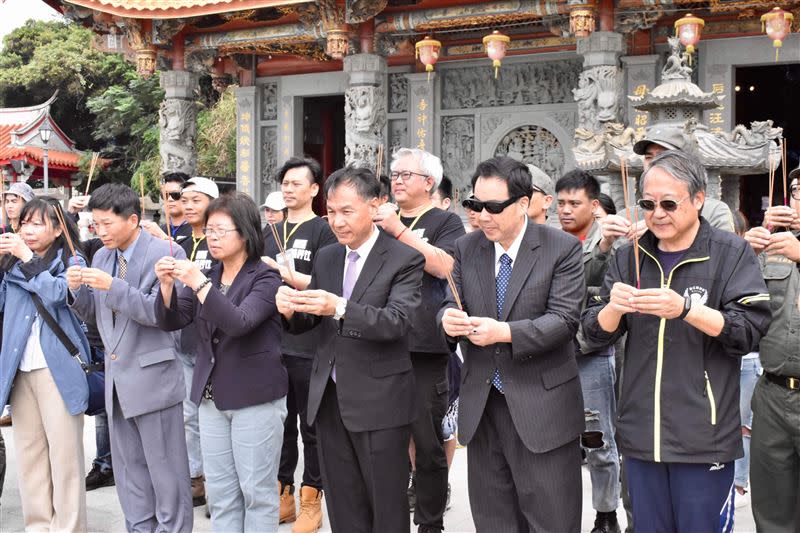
(362, 295)
(521, 408)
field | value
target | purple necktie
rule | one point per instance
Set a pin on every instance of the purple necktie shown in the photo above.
(350, 276)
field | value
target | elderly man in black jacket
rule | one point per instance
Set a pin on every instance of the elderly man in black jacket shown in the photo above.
(697, 304)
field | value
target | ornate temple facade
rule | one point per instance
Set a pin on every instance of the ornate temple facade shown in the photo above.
(339, 78)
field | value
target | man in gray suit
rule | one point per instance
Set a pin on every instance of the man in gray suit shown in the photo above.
(144, 380)
(521, 408)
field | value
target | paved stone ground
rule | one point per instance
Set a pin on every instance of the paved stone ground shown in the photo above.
(105, 514)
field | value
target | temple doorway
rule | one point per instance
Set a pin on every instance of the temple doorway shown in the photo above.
(323, 136)
(761, 93)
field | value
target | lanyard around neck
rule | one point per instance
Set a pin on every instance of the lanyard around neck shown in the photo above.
(195, 245)
(294, 229)
(414, 222)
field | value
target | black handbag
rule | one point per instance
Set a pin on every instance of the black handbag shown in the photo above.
(95, 376)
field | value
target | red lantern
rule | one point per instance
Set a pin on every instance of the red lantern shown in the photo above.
(428, 53)
(688, 30)
(778, 24)
(496, 45)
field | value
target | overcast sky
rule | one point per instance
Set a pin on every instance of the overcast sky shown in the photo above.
(14, 13)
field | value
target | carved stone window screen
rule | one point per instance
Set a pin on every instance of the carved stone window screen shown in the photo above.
(670, 113)
(535, 145)
(269, 101)
(269, 158)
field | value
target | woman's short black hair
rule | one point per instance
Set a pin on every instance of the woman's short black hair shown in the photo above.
(117, 198)
(45, 208)
(366, 184)
(245, 215)
(514, 173)
(298, 162)
(607, 203)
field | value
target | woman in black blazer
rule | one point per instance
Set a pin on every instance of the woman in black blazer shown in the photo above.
(239, 381)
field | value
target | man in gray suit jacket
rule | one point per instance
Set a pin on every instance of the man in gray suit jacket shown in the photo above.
(144, 380)
(521, 409)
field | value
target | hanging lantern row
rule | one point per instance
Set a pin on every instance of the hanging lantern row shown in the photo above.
(496, 45)
(777, 24)
(427, 51)
(688, 30)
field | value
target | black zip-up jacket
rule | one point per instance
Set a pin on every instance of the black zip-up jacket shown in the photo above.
(679, 400)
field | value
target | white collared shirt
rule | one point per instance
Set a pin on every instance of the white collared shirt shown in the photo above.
(363, 252)
(512, 251)
(33, 356)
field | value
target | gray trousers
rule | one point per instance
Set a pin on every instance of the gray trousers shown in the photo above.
(775, 458)
(151, 470)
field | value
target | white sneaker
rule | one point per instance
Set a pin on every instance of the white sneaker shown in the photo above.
(741, 500)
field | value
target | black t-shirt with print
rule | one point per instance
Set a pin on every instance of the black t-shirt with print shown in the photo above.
(440, 229)
(302, 242)
(197, 251)
(179, 233)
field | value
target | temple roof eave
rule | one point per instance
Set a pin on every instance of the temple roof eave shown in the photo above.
(173, 9)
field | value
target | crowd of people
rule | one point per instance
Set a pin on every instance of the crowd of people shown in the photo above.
(545, 332)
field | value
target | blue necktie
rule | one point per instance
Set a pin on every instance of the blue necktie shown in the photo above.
(503, 276)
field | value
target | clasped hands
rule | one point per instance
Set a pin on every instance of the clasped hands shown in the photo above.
(168, 269)
(663, 303)
(481, 331)
(11, 243)
(314, 302)
(92, 277)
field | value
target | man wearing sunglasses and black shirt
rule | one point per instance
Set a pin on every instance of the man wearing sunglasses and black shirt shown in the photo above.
(521, 286)
(693, 303)
(415, 176)
(179, 228)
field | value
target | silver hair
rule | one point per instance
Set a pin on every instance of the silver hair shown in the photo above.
(682, 166)
(428, 163)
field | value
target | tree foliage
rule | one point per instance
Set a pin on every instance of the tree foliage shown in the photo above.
(216, 137)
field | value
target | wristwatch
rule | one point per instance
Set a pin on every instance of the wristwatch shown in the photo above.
(341, 306)
(687, 305)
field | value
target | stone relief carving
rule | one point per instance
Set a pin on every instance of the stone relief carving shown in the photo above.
(178, 124)
(365, 117)
(458, 148)
(398, 135)
(269, 102)
(357, 11)
(269, 156)
(760, 132)
(519, 84)
(398, 93)
(598, 96)
(536, 146)
(489, 123)
(565, 118)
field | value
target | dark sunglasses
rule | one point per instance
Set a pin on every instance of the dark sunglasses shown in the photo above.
(667, 205)
(495, 208)
(175, 195)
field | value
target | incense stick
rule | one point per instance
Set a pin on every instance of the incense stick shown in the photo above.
(141, 189)
(783, 164)
(771, 180)
(169, 226)
(63, 223)
(282, 251)
(623, 167)
(3, 206)
(92, 165)
(450, 281)
(379, 166)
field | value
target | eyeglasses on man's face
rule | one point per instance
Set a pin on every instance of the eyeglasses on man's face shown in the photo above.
(492, 207)
(406, 175)
(667, 205)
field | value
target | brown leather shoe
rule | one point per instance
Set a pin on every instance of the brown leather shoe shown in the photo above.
(198, 491)
(5, 421)
(288, 511)
(310, 517)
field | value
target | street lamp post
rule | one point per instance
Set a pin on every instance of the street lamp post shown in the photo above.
(44, 134)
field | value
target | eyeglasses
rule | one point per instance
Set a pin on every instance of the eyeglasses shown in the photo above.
(217, 233)
(495, 208)
(795, 192)
(537, 189)
(174, 195)
(667, 205)
(406, 175)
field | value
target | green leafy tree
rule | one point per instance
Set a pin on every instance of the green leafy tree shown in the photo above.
(216, 137)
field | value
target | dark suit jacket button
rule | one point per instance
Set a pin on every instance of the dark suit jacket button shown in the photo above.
(215, 341)
(497, 350)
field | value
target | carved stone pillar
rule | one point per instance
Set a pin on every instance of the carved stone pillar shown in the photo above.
(178, 122)
(713, 183)
(730, 191)
(364, 108)
(246, 147)
(600, 89)
(421, 111)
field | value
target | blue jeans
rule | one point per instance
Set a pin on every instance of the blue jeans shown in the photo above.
(190, 420)
(103, 442)
(597, 376)
(751, 369)
(241, 454)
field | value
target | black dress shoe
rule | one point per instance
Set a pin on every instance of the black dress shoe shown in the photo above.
(97, 478)
(606, 523)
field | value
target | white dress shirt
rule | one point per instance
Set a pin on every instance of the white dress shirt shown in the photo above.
(363, 252)
(512, 251)
(33, 356)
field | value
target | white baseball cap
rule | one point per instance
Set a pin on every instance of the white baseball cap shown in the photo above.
(274, 201)
(203, 185)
